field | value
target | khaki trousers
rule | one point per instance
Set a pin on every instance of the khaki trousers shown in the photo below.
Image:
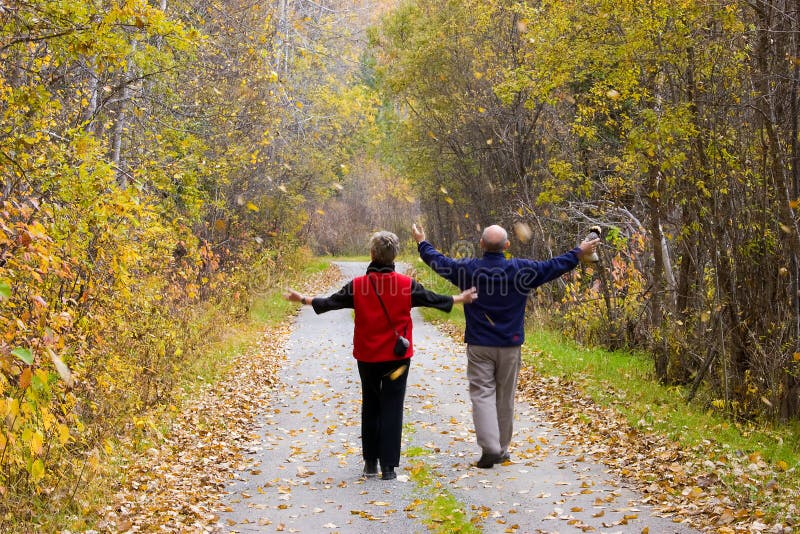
(492, 374)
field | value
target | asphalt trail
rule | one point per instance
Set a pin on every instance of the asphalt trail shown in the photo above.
(305, 469)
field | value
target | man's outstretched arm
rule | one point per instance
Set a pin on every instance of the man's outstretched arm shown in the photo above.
(445, 267)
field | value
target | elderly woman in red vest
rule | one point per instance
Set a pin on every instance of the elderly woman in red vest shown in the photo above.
(382, 300)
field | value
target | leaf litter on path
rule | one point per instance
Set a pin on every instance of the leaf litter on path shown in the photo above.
(176, 485)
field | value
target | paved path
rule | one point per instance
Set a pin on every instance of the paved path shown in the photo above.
(305, 474)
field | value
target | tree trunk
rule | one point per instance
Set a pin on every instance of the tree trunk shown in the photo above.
(657, 286)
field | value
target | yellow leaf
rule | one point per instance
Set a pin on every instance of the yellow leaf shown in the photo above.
(37, 470)
(63, 434)
(321, 212)
(797, 356)
(443, 190)
(448, 200)
(12, 408)
(397, 372)
(299, 105)
(781, 465)
(36, 443)
(252, 207)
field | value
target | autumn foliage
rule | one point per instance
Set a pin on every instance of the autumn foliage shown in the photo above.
(151, 180)
(673, 125)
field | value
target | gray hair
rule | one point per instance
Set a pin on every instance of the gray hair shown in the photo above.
(383, 247)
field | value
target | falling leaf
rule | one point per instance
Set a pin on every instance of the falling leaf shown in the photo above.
(523, 231)
(398, 372)
(61, 367)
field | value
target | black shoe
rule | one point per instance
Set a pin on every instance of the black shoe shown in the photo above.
(388, 474)
(370, 468)
(487, 460)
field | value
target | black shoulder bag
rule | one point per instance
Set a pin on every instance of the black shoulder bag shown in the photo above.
(401, 344)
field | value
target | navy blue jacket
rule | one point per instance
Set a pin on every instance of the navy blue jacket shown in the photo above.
(496, 318)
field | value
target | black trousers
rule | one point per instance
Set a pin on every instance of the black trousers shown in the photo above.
(382, 396)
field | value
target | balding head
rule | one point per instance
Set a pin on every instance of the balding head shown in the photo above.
(494, 239)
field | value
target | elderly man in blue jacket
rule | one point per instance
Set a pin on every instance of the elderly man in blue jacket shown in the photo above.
(495, 326)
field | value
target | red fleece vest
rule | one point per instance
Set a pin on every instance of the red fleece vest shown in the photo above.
(373, 336)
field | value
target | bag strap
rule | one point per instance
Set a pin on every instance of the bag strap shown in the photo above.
(385, 311)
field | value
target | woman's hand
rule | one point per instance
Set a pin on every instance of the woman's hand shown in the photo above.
(294, 296)
(466, 296)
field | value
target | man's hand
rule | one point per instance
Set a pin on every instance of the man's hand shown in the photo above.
(466, 296)
(292, 295)
(587, 248)
(418, 232)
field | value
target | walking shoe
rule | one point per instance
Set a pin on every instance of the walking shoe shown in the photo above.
(388, 474)
(504, 457)
(488, 459)
(370, 468)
